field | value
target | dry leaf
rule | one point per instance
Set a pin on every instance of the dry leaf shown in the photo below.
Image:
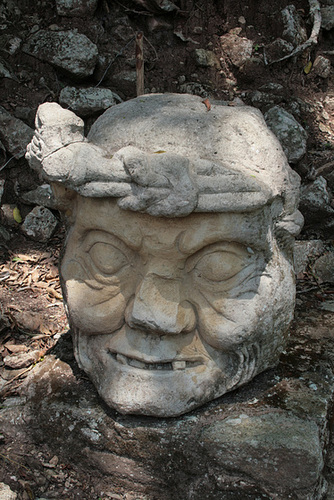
(207, 104)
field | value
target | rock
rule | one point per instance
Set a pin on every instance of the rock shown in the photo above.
(323, 267)
(87, 101)
(277, 49)
(22, 360)
(6, 493)
(290, 133)
(42, 196)
(71, 52)
(293, 30)
(283, 440)
(305, 252)
(272, 88)
(76, 8)
(6, 71)
(264, 100)
(315, 205)
(322, 66)
(327, 17)
(14, 134)
(125, 80)
(238, 49)
(39, 224)
(206, 58)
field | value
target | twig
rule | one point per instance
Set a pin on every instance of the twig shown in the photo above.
(140, 63)
(313, 40)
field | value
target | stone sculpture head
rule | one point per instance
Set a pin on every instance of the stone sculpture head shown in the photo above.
(177, 271)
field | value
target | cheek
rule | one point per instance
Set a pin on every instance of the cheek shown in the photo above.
(94, 308)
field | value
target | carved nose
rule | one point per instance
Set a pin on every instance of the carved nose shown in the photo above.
(158, 307)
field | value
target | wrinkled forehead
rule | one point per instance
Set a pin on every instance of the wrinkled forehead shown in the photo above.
(189, 233)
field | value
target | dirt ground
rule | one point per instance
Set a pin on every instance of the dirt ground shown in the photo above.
(32, 316)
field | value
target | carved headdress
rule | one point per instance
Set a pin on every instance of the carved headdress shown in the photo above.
(166, 155)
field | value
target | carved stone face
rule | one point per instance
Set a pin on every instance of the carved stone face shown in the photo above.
(177, 270)
(171, 313)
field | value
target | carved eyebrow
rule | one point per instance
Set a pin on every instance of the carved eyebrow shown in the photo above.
(93, 233)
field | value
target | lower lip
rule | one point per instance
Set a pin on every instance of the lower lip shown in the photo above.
(166, 366)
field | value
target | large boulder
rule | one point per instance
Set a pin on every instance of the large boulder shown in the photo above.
(71, 52)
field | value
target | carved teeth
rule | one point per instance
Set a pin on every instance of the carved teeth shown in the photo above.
(179, 365)
(121, 359)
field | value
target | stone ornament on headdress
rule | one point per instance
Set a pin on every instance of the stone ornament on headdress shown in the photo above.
(166, 155)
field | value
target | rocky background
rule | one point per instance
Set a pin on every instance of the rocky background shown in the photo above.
(277, 56)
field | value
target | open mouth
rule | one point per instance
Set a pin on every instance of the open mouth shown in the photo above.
(165, 365)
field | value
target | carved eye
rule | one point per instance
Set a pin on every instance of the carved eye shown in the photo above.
(107, 258)
(219, 266)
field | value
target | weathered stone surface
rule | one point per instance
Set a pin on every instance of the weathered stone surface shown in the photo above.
(239, 49)
(267, 440)
(322, 66)
(293, 31)
(327, 17)
(42, 196)
(76, 8)
(306, 252)
(66, 50)
(323, 267)
(206, 58)
(14, 133)
(290, 133)
(173, 247)
(315, 203)
(6, 493)
(39, 224)
(87, 101)
(264, 100)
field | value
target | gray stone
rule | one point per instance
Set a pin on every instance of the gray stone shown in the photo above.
(42, 196)
(6, 493)
(6, 71)
(327, 17)
(71, 52)
(87, 101)
(14, 133)
(125, 80)
(323, 267)
(39, 224)
(315, 204)
(76, 8)
(238, 49)
(290, 133)
(264, 100)
(305, 252)
(293, 31)
(206, 58)
(322, 66)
